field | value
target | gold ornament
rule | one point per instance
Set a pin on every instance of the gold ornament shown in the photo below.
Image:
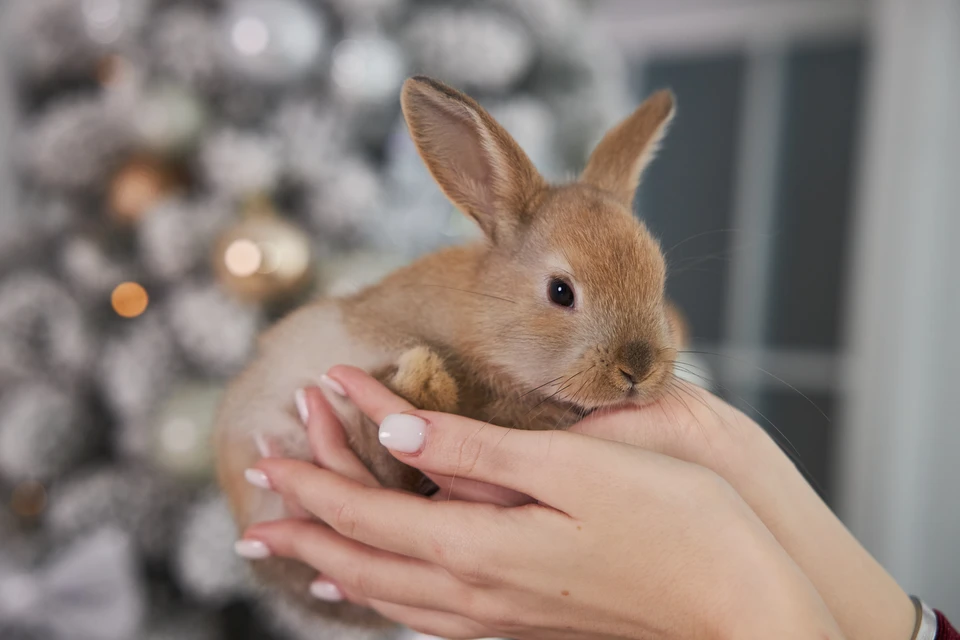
(263, 259)
(29, 499)
(138, 186)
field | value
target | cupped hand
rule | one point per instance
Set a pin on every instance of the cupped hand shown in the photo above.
(621, 543)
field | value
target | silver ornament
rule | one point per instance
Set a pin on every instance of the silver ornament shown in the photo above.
(75, 144)
(345, 203)
(43, 332)
(44, 432)
(367, 69)
(182, 430)
(470, 48)
(90, 270)
(204, 561)
(238, 163)
(554, 23)
(183, 46)
(175, 236)
(533, 125)
(312, 139)
(215, 332)
(136, 500)
(107, 21)
(273, 41)
(135, 370)
(367, 12)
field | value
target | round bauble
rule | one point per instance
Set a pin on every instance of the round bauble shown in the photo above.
(168, 119)
(138, 186)
(263, 259)
(368, 69)
(182, 429)
(215, 332)
(271, 41)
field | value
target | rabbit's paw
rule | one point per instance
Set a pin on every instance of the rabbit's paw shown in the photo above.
(423, 380)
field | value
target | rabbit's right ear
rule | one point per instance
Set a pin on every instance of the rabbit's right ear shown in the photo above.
(477, 164)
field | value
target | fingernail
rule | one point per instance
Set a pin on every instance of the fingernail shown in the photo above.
(257, 478)
(251, 549)
(262, 445)
(402, 432)
(333, 385)
(300, 399)
(323, 590)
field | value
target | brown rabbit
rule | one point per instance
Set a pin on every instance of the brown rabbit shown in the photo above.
(559, 311)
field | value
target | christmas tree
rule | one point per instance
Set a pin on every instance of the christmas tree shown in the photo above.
(187, 172)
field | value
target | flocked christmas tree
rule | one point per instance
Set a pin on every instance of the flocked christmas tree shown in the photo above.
(187, 171)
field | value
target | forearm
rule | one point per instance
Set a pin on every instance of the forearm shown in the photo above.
(864, 599)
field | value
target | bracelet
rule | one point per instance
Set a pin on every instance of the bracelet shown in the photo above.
(926, 626)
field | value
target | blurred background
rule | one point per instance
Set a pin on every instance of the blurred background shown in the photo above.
(176, 174)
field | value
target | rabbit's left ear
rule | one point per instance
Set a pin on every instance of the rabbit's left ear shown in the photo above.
(625, 151)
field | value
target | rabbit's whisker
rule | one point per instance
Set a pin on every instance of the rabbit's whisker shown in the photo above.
(476, 293)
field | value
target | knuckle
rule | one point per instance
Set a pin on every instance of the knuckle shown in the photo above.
(356, 580)
(468, 454)
(495, 613)
(473, 567)
(344, 519)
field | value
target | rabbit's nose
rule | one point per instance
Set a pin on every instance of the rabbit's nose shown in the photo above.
(635, 361)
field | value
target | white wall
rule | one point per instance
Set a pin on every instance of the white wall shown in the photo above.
(899, 466)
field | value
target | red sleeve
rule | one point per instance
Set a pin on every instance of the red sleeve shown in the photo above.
(945, 630)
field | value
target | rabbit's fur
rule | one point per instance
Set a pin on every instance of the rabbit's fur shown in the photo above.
(471, 329)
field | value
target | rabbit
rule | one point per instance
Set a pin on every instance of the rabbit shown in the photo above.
(559, 310)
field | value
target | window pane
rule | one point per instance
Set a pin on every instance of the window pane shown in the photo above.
(814, 199)
(688, 189)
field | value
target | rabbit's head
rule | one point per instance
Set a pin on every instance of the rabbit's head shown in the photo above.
(579, 280)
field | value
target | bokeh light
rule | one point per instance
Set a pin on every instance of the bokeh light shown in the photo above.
(129, 299)
(243, 258)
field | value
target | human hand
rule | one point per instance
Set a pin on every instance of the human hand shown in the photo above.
(694, 425)
(623, 542)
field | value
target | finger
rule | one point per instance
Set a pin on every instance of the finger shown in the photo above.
(452, 488)
(686, 423)
(400, 522)
(377, 402)
(328, 441)
(361, 570)
(434, 623)
(544, 465)
(374, 399)
(268, 448)
(448, 445)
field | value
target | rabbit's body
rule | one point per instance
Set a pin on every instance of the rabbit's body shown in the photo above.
(559, 311)
(374, 330)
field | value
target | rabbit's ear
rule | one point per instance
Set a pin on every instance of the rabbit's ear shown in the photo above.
(479, 167)
(625, 151)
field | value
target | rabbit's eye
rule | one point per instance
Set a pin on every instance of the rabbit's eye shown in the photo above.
(560, 292)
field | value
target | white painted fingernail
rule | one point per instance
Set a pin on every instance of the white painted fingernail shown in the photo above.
(251, 549)
(402, 432)
(323, 590)
(257, 478)
(262, 445)
(300, 399)
(333, 385)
